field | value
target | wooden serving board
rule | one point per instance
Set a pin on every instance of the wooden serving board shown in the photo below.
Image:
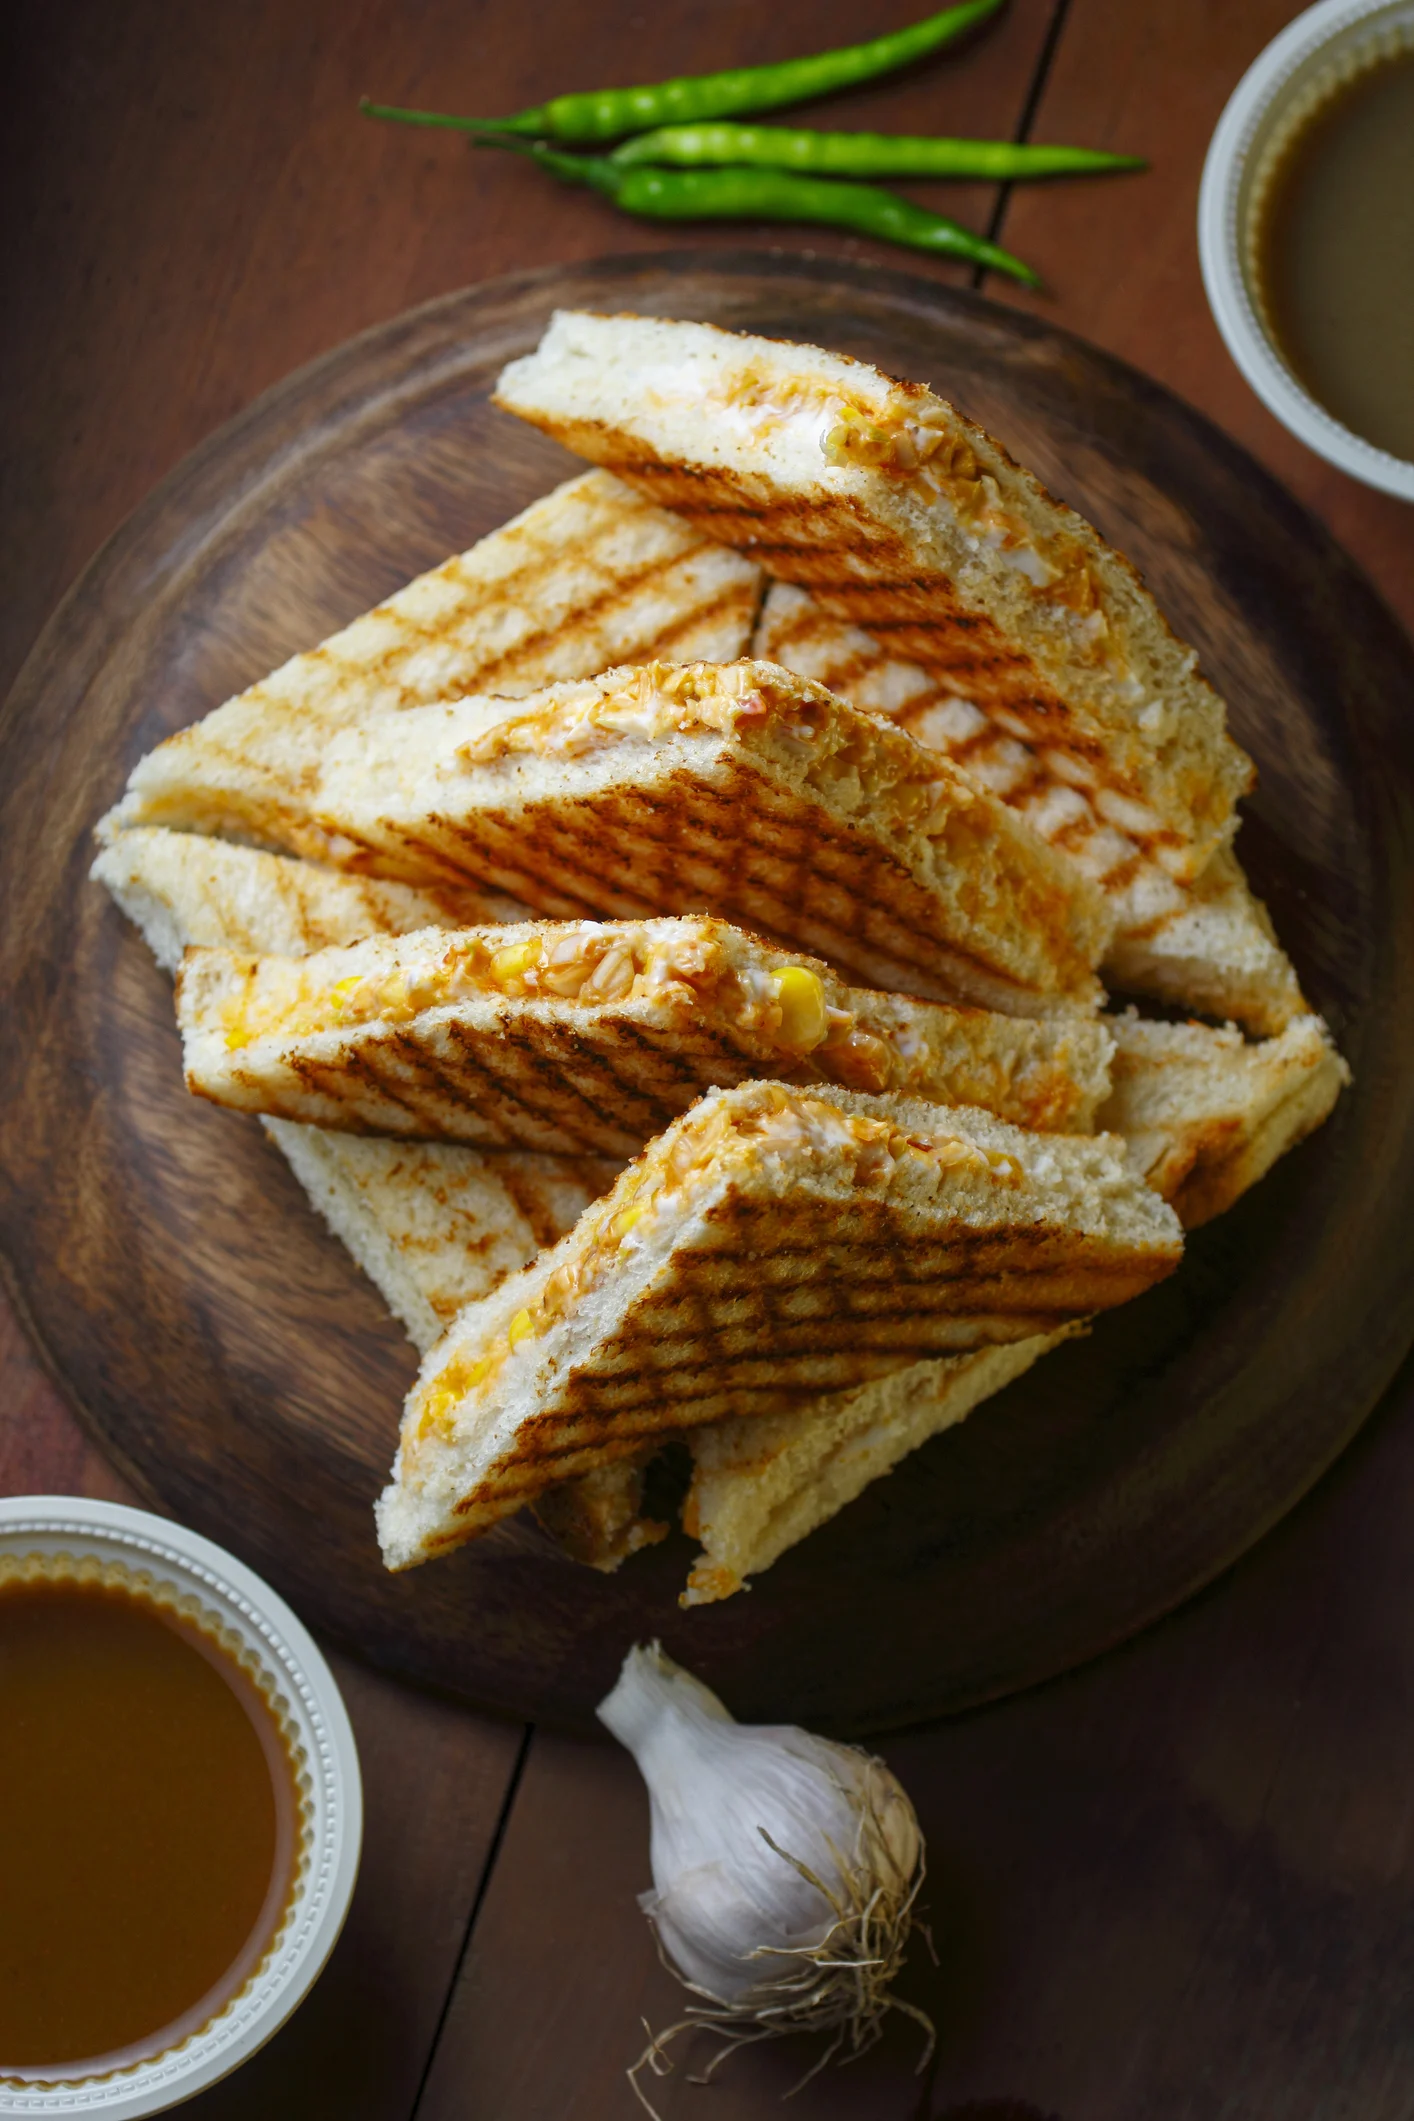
(236, 1363)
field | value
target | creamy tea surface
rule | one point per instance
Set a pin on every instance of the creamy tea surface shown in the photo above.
(1336, 255)
(147, 1826)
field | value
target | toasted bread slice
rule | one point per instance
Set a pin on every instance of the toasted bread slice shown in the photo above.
(900, 515)
(773, 1244)
(433, 1227)
(736, 789)
(181, 888)
(1206, 1115)
(760, 1486)
(1206, 945)
(1217, 953)
(589, 577)
(594, 1035)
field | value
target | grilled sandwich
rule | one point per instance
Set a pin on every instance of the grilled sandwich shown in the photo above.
(432, 1226)
(586, 1035)
(589, 577)
(773, 1244)
(902, 517)
(1204, 1115)
(1206, 945)
(437, 1227)
(738, 790)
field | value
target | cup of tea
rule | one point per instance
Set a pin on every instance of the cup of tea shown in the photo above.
(1306, 234)
(180, 1810)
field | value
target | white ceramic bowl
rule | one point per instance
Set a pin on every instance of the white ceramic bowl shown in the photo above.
(266, 1638)
(1323, 47)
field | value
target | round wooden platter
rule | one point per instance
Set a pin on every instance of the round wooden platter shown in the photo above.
(236, 1363)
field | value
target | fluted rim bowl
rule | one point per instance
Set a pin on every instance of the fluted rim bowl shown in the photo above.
(65, 1536)
(1330, 43)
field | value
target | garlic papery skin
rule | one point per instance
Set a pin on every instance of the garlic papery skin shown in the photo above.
(785, 1866)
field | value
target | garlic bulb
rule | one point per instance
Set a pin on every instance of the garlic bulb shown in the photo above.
(785, 1867)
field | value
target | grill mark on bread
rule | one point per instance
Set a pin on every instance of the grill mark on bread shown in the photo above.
(619, 1402)
(747, 806)
(655, 1103)
(553, 1094)
(804, 858)
(590, 615)
(531, 1082)
(527, 1190)
(800, 1359)
(544, 559)
(899, 1258)
(434, 1090)
(759, 1301)
(680, 1059)
(658, 649)
(533, 1208)
(444, 1095)
(534, 1085)
(329, 1082)
(510, 830)
(691, 1071)
(511, 1492)
(867, 905)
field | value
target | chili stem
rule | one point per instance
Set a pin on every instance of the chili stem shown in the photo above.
(598, 115)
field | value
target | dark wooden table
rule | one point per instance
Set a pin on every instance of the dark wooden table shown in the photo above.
(1178, 1885)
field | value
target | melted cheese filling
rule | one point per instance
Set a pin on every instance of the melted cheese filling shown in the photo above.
(786, 1006)
(660, 699)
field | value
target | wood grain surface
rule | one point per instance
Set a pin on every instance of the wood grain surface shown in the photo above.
(234, 1361)
(1177, 1884)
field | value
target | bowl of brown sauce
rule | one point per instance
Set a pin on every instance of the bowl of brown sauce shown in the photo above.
(1306, 234)
(180, 1810)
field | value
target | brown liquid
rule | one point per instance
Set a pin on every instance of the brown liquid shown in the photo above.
(147, 1815)
(1337, 255)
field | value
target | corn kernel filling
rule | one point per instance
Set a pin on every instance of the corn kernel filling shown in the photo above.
(594, 965)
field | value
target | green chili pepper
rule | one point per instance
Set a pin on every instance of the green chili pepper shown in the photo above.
(775, 195)
(607, 114)
(860, 154)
